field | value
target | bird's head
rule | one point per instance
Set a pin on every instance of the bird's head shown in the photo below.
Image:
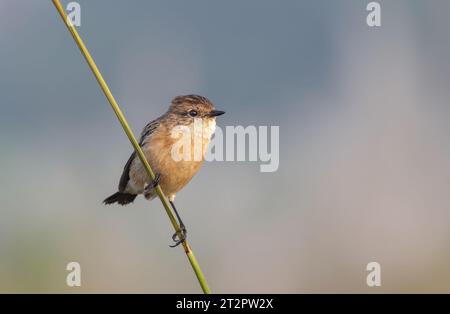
(189, 107)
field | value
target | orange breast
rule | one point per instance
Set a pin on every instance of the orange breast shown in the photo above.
(174, 174)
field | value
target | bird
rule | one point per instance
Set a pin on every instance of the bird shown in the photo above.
(157, 141)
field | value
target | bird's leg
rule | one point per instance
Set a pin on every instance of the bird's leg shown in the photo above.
(152, 185)
(183, 232)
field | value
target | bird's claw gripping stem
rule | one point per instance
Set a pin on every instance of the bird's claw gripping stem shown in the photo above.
(149, 188)
(180, 237)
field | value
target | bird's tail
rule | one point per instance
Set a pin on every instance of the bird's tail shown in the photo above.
(121, 198)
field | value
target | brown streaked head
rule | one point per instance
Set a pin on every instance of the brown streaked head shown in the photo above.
(193, 106)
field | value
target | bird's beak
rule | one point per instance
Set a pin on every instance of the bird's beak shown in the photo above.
(216, 113)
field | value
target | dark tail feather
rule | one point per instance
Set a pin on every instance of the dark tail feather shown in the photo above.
(121, 198)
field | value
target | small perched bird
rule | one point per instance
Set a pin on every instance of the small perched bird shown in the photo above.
(157, 143)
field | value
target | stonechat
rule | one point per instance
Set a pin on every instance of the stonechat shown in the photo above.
(157, 141)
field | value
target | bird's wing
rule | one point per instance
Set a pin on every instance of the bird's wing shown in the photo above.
(148, 130)
(146, 133)
(126, 173)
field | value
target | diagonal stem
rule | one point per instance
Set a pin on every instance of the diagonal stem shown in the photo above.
(187, 249)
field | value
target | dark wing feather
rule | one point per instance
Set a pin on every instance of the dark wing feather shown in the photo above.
(146, 132)
(126, 173)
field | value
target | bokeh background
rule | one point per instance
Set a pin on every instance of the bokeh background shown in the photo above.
(364, 145)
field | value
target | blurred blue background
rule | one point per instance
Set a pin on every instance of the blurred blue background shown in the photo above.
(364, 145)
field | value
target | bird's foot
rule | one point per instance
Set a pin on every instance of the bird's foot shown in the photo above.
(148, 190)
(179, 237)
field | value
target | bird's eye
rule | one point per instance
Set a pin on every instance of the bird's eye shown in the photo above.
(193, 113)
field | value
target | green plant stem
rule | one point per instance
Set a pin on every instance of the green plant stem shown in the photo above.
(134, 142)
